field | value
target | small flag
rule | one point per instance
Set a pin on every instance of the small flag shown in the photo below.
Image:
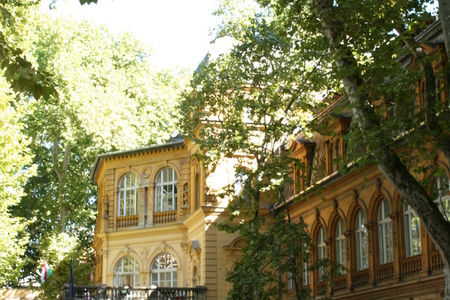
(72, 290)
(46, 272)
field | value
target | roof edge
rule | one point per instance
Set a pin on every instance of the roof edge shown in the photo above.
(99, 159)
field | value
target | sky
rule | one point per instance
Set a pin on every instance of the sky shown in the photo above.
(177, 30)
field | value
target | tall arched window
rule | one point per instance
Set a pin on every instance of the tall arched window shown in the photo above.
(164, 271)
(338, 152)
(412, 231)
(362, 261)
(340, 243)
(332, 156)
(197, 191)
(127, 272)
(305, 267)
(321, 250)
(194, 277)
(128, 195)
(166, 190)
(443, 189)
(385, 232)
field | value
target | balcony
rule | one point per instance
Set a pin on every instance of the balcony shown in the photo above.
(127, 221)
(102, 292)
(165, 217)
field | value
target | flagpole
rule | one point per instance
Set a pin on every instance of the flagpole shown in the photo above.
(71, 285)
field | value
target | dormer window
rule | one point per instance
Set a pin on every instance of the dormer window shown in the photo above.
(128, 195)
(334, 155)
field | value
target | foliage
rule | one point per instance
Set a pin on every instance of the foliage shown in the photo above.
(107, 97)
(246, 103)
(61, 249)
(13, 174)
(251, 100)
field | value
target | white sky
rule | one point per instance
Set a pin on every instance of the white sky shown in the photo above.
(177, 30)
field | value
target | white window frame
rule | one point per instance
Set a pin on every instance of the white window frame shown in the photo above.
(163, 266)
(128, 195)
(443, 199)
(290, 281)
(321, 250)
(340, 244)
(124, 263)
(412, 231)
(166, 190)
(306, 280)
(362, 258)
(385, 233)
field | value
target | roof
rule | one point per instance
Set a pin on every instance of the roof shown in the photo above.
(172, 144)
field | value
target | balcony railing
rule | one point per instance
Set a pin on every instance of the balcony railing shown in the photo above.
(384, 272)
(360, 278)
(436, 261)
(320, 288)
(339, 283)
(102, 292)
(165, 217)
(411, 266)
(128, 221)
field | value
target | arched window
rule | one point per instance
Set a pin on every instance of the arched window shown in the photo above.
(197, 191)
(443, 199)
(166, 190)
(305, 266)
(164, 271)
(128, 195)
(385, 232)
(412, 231)
(332, 156)
(127, 272)
(194, 277)
(338, 152)
(321, 250)
(340, 243)
(362, 261)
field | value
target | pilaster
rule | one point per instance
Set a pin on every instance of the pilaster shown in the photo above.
(141, 205)
(395, 244)
(370, 244)
(150, 204)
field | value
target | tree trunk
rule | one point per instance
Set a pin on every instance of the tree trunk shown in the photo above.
(389, 163)
(444, 16)
(61, 172)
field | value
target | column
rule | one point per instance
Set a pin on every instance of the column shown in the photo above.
(104, 267)
(395, 244)
(370, 236)
(329, 243)
(349, 255)
(141, 203)
(150, 204)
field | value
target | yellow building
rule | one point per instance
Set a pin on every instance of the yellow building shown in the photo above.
(156, 206)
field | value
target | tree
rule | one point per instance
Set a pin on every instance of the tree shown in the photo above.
(15, 157)
(246, 104)
(108, 97)
(365, 40)
(360, 48)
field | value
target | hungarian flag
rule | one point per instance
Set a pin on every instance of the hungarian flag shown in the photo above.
(46, 272)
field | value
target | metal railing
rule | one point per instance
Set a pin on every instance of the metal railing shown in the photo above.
(103, 292)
